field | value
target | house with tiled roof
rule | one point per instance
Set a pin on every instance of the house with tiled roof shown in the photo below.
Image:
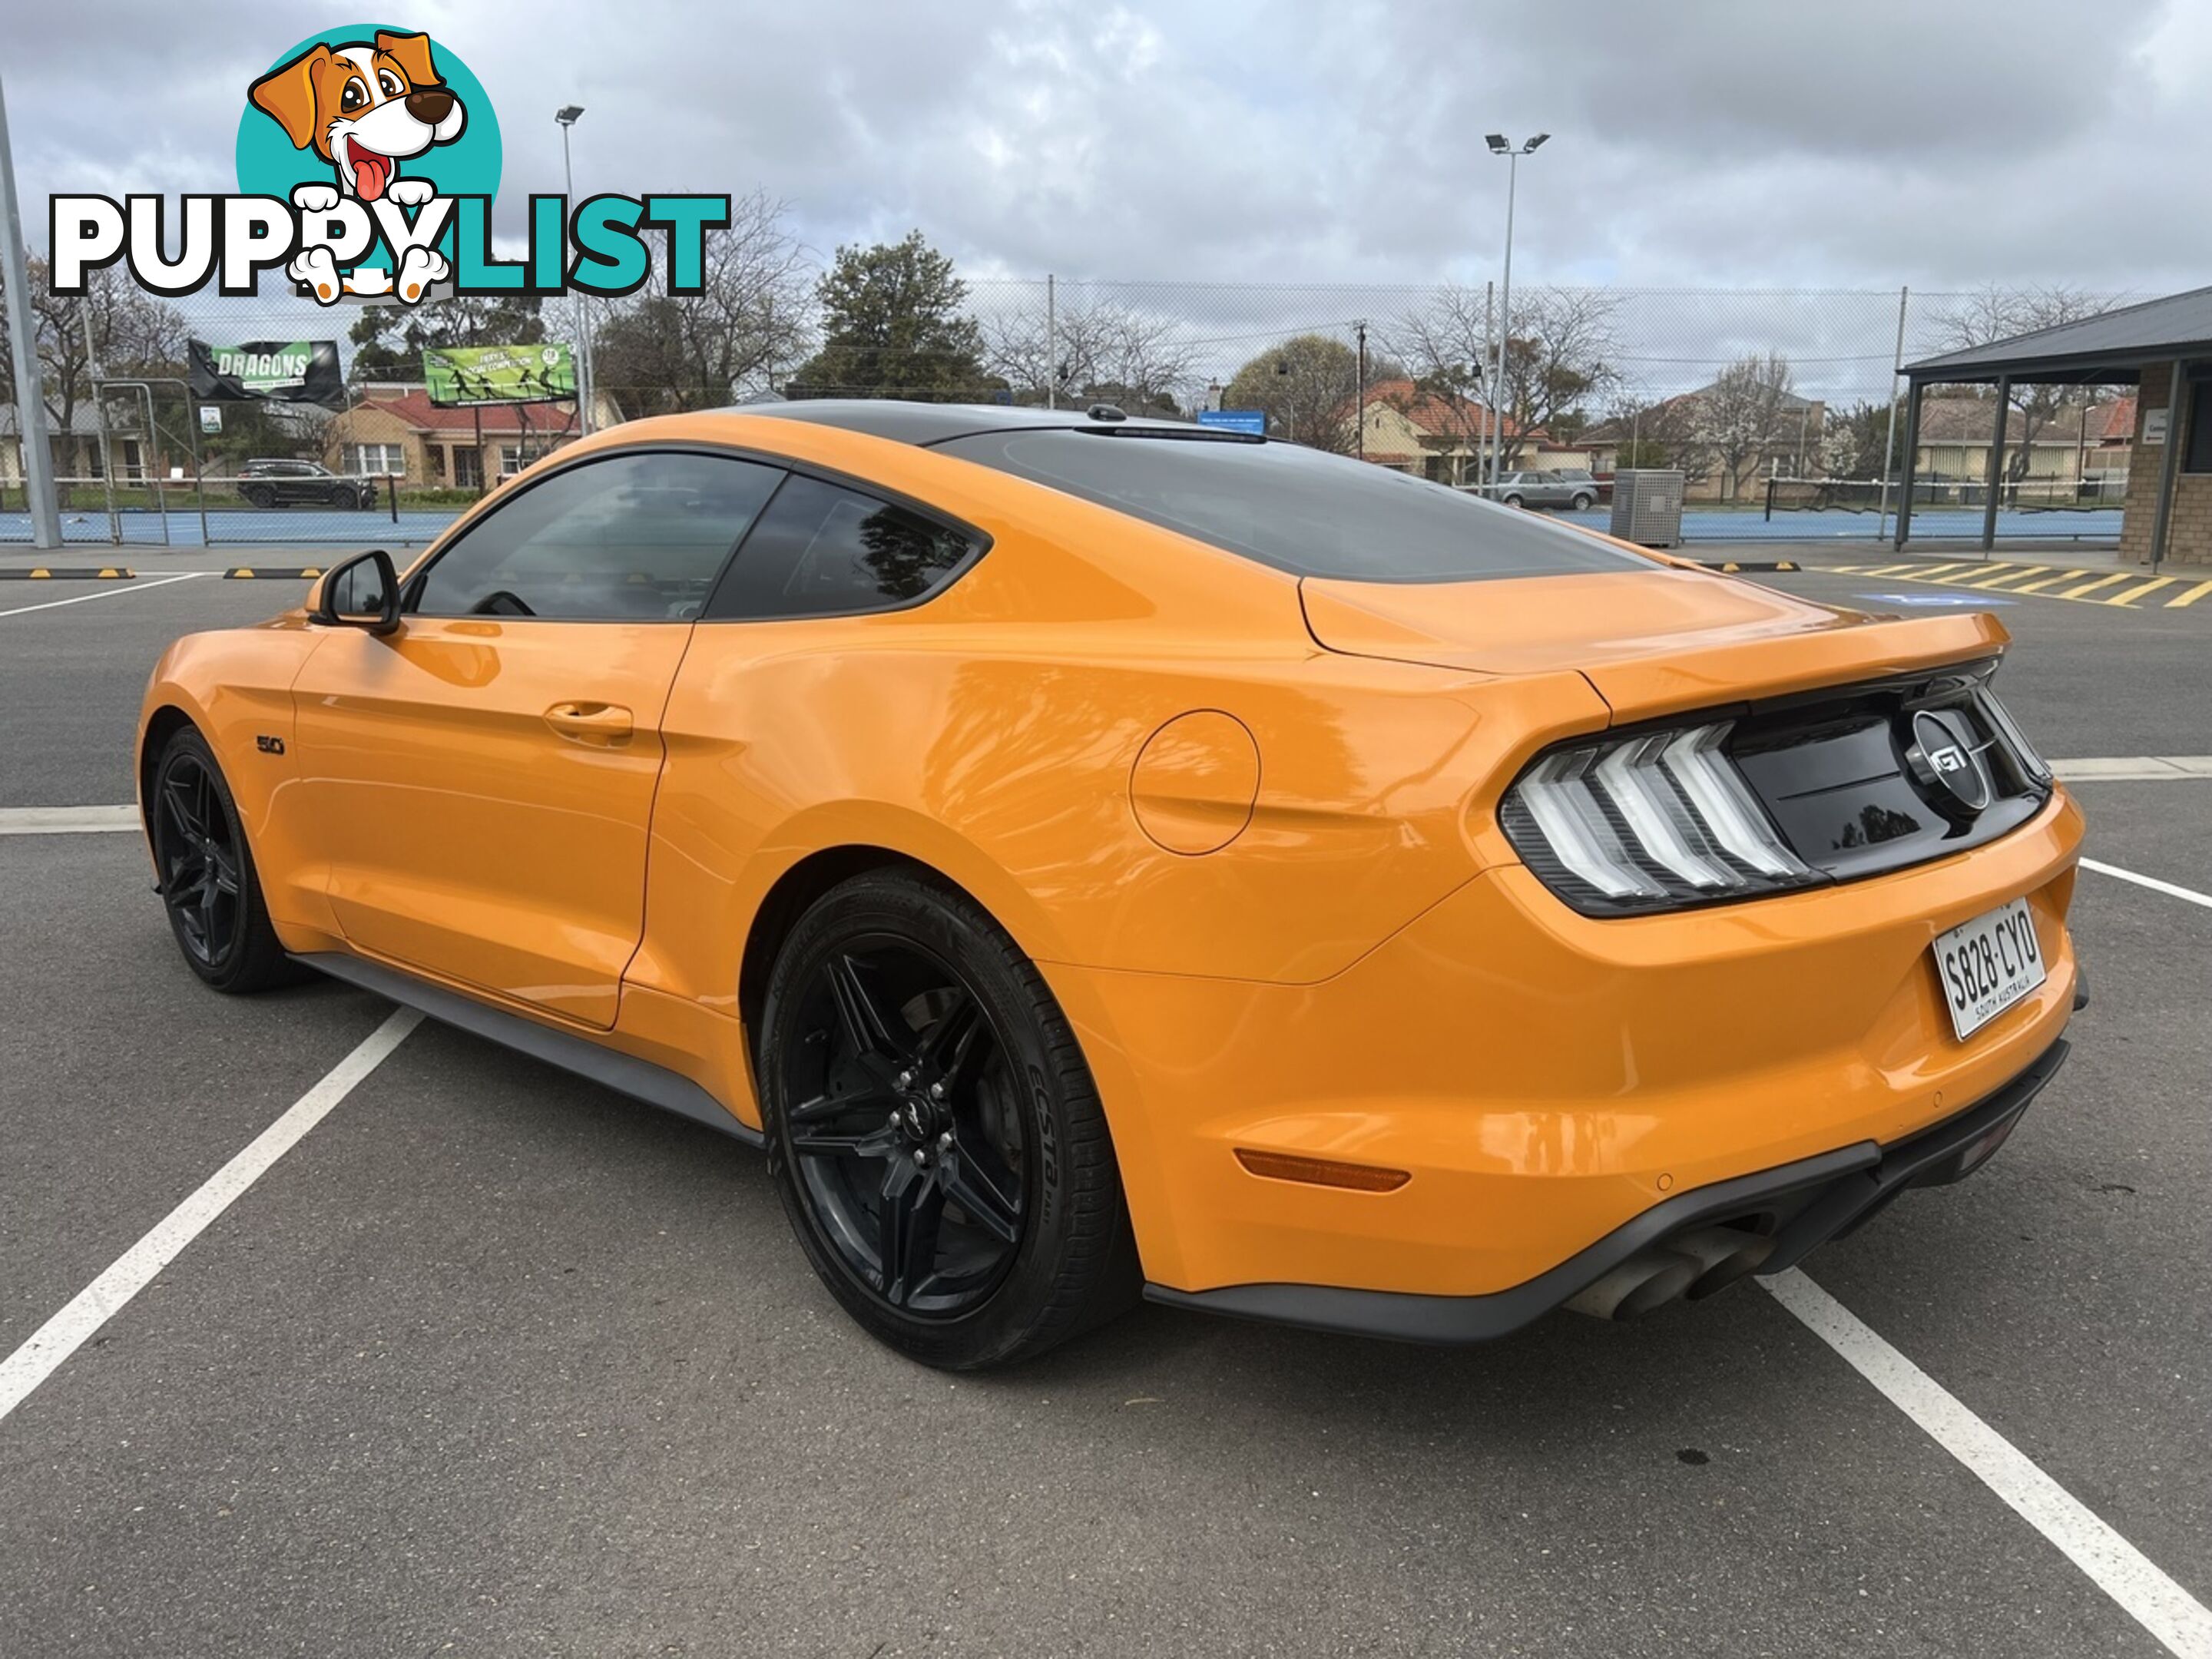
(2083, 440)
(394, 428)
(1410, 429)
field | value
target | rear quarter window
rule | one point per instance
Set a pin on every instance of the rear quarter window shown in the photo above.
(1294, 508)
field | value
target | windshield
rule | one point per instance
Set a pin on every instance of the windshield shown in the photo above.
(1296, 508)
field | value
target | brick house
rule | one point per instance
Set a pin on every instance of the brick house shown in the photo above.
(397, 428)
(1444, 439)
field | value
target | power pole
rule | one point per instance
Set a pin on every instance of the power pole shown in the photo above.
(1363, 389)
(30, 390)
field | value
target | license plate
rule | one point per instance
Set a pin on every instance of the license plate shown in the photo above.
(1988, 964)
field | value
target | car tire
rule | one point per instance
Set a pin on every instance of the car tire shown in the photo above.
(974, 1224)
(1512, 500)
(259, 495)
(209, 885)
(1584, 502)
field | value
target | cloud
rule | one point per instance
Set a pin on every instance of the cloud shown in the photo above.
(1743, 144)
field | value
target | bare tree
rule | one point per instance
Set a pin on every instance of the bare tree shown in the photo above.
(132, 333)
(1103, 349)
(1558, 364)
(754, 315)
(1992, 312)
(1446, 344)
(1556, 361)
(1741, 415)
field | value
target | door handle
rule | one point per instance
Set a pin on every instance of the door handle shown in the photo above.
(591, 722)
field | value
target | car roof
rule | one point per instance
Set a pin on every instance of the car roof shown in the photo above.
(926, 424)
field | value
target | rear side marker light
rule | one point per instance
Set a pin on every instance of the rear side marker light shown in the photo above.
(1322, 1171)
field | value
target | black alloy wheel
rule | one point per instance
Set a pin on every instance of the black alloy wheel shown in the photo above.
(933, 1130)
(909, 1149)
(259, 495)
(199, 857)
(209, 884)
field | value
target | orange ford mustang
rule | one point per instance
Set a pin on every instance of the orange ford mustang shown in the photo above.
(1094, 855)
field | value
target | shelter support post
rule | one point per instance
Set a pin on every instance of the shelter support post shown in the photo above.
(1911, 463)
(2169, 466)
(1996, 464)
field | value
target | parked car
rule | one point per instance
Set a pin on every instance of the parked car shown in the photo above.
(1569, 487)
(1095, 857)
(285, 483)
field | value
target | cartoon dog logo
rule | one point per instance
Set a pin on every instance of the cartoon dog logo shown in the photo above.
(364, 107)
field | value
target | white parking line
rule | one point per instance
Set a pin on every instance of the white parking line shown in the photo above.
(137, 1266)
(66, 820)
(104, 593)
(2162, 1607)
(2134, 768)
(2189, 894)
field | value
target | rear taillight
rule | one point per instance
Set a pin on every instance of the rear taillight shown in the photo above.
(1648, 823)
(1801, 792)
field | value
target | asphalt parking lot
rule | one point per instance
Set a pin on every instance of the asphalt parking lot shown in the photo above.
(493, 1362)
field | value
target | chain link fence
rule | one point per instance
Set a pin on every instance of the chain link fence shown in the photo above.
(1777, 404)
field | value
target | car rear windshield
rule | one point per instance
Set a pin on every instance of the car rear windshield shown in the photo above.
(1296, 508)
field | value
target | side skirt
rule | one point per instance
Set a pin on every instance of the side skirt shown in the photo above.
(626, 1074)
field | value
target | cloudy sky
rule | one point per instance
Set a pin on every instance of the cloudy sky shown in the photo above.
(1722, 144)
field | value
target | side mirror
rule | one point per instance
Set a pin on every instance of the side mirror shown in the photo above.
(361, 593)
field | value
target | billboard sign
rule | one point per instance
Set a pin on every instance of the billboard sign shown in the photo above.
(460, 377)
(268, 371)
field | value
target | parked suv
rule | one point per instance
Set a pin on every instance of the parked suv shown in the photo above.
(1569, 487)
(284, 483)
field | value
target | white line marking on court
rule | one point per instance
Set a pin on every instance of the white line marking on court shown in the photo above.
(66, 820)
(115, 593)
(137, 1266)
(2189, 894)
(2116, 1567)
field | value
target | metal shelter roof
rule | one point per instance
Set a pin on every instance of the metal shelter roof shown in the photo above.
(2110, 347)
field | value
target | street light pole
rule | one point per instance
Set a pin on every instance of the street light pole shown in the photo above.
(567, 117)
(1498, 146)
(30, 392)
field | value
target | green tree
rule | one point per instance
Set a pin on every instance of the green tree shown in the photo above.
(389, 340)
(893, 325)
(1307, 386)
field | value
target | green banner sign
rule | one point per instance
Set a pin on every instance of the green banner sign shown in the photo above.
(459, 376)
(268, 371)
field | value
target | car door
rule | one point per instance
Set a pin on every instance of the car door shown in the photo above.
(483, 779)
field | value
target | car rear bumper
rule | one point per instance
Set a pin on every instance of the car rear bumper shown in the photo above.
(1789, 1209)
(1531, 1080)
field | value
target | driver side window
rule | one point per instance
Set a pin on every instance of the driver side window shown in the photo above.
(634, 537)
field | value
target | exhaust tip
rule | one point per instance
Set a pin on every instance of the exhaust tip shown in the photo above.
(1722, 1255)
(1649, 1278)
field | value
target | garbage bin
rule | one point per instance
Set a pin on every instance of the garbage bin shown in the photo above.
(1647, 507)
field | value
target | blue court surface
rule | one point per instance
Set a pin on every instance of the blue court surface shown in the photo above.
(299, 526)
